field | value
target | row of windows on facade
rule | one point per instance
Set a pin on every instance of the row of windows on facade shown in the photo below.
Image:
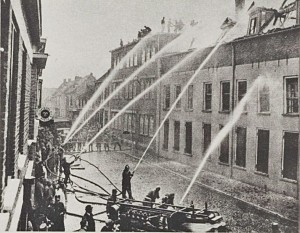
(133, 89)
(290, 145)
(132, 60)
(128, 121)
(79, 102)
(290, 95)
(177, 90)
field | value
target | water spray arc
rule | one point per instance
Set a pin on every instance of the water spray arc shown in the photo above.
(224, 132)
(178, 65)
(182, 93)
(126, 81)
(105, 83)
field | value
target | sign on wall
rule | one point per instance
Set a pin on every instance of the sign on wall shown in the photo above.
(45, 114)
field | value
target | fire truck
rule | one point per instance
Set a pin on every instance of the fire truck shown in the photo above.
(133, 215)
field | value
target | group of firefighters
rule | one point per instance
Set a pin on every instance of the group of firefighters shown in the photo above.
(51, 195)
(149, 200)
(106, 141)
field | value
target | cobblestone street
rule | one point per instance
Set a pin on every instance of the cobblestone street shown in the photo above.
(174, 179)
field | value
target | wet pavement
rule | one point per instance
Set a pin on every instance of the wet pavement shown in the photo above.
(172, 177)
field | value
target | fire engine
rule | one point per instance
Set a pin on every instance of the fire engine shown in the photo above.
(133, 215)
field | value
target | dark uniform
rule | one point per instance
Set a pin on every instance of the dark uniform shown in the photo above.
(67, 169)
(89, 218)
(126, 182)
(59, 219)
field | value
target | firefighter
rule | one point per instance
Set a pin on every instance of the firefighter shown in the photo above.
(59, 210)
(152, 196)
(126, 182)
(106, 141)
(163, 24)
(89, 218)
(67, 169)
(116, 142)
(111, 212)
(168, 199)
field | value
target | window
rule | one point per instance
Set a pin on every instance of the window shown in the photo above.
(125, 122)
(143, 57)
(206, 136)
(133, 123)
(290, 156)
(147, 84)
(151, 92)
(262, 155)
(106, 93)
(264, 98)
(151, 125)
(240, 153)
(141, 124)
(242, 89)
(130, 90)
(129, 123)
(166, 135)
(177, 92)
(253, 26)
(166, 96)
(176, 135)
(134, 91)
(148, 54)
(225, 96)
(190, 97)
(105, 117)
(135, 60)
(153, 51)
(224, 149)
(146, 125)
(291, 92)
(188, 137)
(207, 96)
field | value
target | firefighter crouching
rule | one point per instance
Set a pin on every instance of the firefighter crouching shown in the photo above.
(151, 197)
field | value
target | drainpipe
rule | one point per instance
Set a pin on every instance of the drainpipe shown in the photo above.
(232, 107)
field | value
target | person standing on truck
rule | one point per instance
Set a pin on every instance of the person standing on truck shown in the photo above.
(126, 182)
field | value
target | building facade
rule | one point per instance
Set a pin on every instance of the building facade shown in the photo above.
(137, 123)
(262, 147)
(22, 60)
(70, 97)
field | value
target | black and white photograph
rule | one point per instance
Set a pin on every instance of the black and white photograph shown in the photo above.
(150, 115)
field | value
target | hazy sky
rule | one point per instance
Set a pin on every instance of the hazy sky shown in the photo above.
(80, 33)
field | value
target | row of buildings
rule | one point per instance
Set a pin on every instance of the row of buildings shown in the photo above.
(69, 98)
(22, 59)
(262, 148)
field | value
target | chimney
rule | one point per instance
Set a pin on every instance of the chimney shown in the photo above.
(239, 6)
(65, 80)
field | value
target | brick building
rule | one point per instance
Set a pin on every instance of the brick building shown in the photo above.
(22, 60)
(262, 148)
